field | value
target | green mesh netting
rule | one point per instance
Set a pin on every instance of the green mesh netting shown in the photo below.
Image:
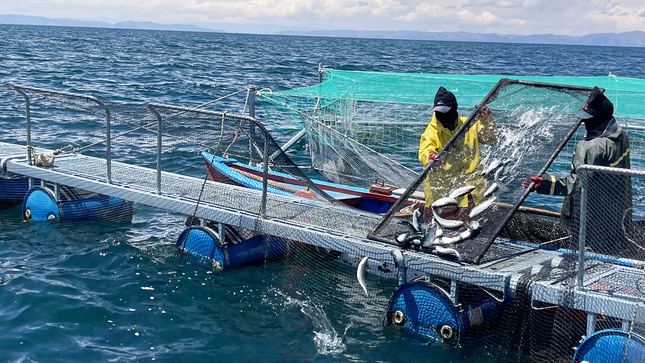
(624, 92)
(364, 126)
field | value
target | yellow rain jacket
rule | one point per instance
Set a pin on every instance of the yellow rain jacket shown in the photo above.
(461, 166)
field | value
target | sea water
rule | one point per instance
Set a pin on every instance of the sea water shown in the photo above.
(103, 292)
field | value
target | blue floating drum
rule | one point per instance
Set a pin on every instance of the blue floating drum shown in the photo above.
(611, 345)
(12, 190)
(425, 310)
(40, 204)
(204, 241)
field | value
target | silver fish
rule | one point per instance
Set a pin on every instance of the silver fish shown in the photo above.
(447, 223)
(360, 274)
(442, 202)
(448, 251)
(461, 191)
(453, 239)
(499, 183)
(491, 167)
(491, 189)
(481, 207)
(402, 237)
(416, 215)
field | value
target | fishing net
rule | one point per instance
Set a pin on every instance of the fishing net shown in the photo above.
(365, 126)
(514, 287)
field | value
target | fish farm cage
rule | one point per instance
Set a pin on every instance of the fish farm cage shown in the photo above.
(500, 277)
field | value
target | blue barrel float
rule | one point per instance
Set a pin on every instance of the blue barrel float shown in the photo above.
(12, 190)
(203, 241)
(425, 310)
(40, 204)
(611, 345)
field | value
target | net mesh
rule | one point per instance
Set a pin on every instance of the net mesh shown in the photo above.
(364, 126)
(526, 300)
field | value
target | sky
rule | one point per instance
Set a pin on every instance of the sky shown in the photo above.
(523, 17)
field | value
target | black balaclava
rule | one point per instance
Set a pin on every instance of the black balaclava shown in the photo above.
(448, 119)
(601, 111)
(445, 108)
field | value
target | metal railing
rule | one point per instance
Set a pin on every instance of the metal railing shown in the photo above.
(24, 92)
(160, 122)
(587, 173)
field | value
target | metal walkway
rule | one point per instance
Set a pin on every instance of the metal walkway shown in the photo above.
(594, 286)
(181, 194)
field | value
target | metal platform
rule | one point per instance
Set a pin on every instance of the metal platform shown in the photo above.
(318, 226)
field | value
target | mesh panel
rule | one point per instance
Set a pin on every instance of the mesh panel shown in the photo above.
(531, 121)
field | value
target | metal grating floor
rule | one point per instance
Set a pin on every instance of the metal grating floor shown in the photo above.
(321, 224)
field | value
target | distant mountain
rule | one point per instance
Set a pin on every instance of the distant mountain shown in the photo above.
(630, 39)
(633, 39)
(37, 20)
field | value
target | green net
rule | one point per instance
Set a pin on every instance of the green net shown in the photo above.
(365, 126)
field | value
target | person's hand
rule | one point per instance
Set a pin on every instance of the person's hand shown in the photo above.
(537, 180)
(433, 157)
(484, 111)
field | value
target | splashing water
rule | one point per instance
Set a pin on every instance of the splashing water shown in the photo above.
(325, 336)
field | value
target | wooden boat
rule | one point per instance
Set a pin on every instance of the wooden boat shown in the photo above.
(376, 199)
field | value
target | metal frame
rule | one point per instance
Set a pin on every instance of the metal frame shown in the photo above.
(584, 171)
(23, 90)
(501, 276)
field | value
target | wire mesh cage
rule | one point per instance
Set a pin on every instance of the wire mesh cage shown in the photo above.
(523, 300)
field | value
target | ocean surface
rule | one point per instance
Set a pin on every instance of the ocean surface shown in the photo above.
(120, 292)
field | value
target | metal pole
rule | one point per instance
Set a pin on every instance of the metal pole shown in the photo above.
(252, 93)
(265, 177)
(108, 145)
(582, 235)
(290, 143)
(321, 70)
(251, 97)
(159, 128)
(28, 119)
(221, 233)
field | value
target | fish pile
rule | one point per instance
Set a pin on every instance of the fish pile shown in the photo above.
(451, 224)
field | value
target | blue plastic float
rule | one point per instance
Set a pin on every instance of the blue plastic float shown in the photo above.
(40, 204)
(611, 346)
(204, 241)
(12, 190)
(425, 310)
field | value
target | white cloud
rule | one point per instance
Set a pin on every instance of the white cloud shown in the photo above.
(571, 17)
(485, 17)
(623, 15)
(424, 11)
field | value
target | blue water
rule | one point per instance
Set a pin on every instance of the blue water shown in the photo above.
(104, 292)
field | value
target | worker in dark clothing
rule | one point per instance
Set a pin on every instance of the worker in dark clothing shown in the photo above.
(608, 195)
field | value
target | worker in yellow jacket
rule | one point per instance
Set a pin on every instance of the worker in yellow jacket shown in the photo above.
(460, 167)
